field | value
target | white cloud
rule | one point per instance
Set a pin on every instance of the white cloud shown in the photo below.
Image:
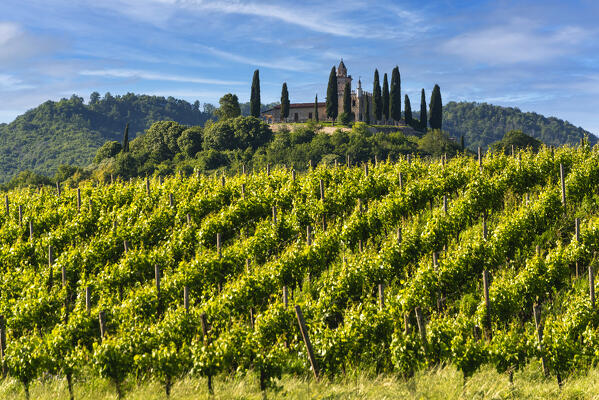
(17, 45)
(154, 76)
(9, 82)
(515, 42)
(283, 63)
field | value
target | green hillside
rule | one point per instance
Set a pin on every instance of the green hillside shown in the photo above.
(482, 124)
(70, 131)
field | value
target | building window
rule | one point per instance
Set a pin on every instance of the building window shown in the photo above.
(309, 115)
(353, 103)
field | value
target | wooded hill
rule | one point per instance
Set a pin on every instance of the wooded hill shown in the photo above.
(70, 131)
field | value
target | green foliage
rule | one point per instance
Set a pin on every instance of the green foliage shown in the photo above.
(229, 107)
(518, 140)
(190, 141)
(437, 143)
(435, 118)
(395, 95)
(408, 112)
(483, 124)
(344, 118)
(377, 100)
(332, 105)
(254, 96)
(125, 145)
(284, 102)
(108, 150)
(347, 99)
(385, 97)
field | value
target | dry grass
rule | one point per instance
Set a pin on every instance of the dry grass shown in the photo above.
(443, 384)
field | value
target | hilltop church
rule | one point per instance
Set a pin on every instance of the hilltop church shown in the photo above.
(302, 112)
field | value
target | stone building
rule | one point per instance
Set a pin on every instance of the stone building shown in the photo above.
(302, 112)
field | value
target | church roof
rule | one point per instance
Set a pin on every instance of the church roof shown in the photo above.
(341, 70)
(296, 105)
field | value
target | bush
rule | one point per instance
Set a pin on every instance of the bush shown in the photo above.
(108, 150)
(190, 141)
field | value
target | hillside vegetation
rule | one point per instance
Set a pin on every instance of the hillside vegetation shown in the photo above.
(70, 131)
(482, 124)
(207, 276)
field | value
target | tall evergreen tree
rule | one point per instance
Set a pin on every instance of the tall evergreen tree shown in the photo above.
(284, 102)
(408, 112)
(367, 116)
(377, 99)
(423, 117)
(126, 139)
(385, 97)
(255, 95)
(462, 142)
(347, 98)
(316, 108)
(435, 117)
(395, 95)
(332, 103)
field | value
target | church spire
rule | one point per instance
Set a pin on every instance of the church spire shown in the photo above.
(341, 70)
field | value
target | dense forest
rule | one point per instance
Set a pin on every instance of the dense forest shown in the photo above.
(70, 131)
(482, 124)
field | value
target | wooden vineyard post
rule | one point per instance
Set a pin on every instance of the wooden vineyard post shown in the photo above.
(536, 309)
(58, 189)
(218, 250)
(2, 343)
(160, 180)
(186, 298)
(188, 219)
(376, 160)
(285, 295)
(577, 233)
(480, 160)
(488, 332)
(293, 175)
(102, 319)
(111, 178)
(87, 299)
(306, 337)
(252, 318)
(268, 168)
(125, 246)
(243, 190)
(445, 204)
(309, 235)
(563, 185)
(592, 285)
(398, 234)
(7, 204)
(512, 150)
(30, 230)
(147, 185)
(274, 215)
(421, 330)
(484, 227)
(50, 263)
(222, 180)
(400, 181)
(409, 158)
(366, 169)
(20, 215)
(243, 169)
(347, 161)
(63, 272)
(381, 296)
(321, 185)
(247, 265)
(78, 199)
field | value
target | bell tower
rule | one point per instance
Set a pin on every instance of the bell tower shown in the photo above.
(342, 79)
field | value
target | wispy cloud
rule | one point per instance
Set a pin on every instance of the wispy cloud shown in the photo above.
(284, 63)
(17, 45)
(9, 82)
(516, 42)
(154, 76)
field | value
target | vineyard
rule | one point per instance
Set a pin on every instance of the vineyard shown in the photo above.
(394, 267)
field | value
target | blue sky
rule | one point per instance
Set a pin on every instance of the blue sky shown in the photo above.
(539, 56)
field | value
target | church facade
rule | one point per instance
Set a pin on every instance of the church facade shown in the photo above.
(361, 103)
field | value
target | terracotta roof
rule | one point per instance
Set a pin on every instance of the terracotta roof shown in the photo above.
(296, 105)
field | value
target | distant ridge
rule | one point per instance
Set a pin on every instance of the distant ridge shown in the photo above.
(70, 131)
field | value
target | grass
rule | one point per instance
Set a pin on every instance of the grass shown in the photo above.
(444, 383)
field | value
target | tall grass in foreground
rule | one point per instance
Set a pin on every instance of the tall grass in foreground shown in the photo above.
(442, 383)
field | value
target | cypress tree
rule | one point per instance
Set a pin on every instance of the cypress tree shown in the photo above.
(423, 117)
(385, 97)
(462, 142)
(332, 103)
(284, 102)
(316, 108)
(436, 109)
(408, 112)
(255, 95)
(126, 139)
(395, 95)
(347, 99)
(377, 100)
(367, 116)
